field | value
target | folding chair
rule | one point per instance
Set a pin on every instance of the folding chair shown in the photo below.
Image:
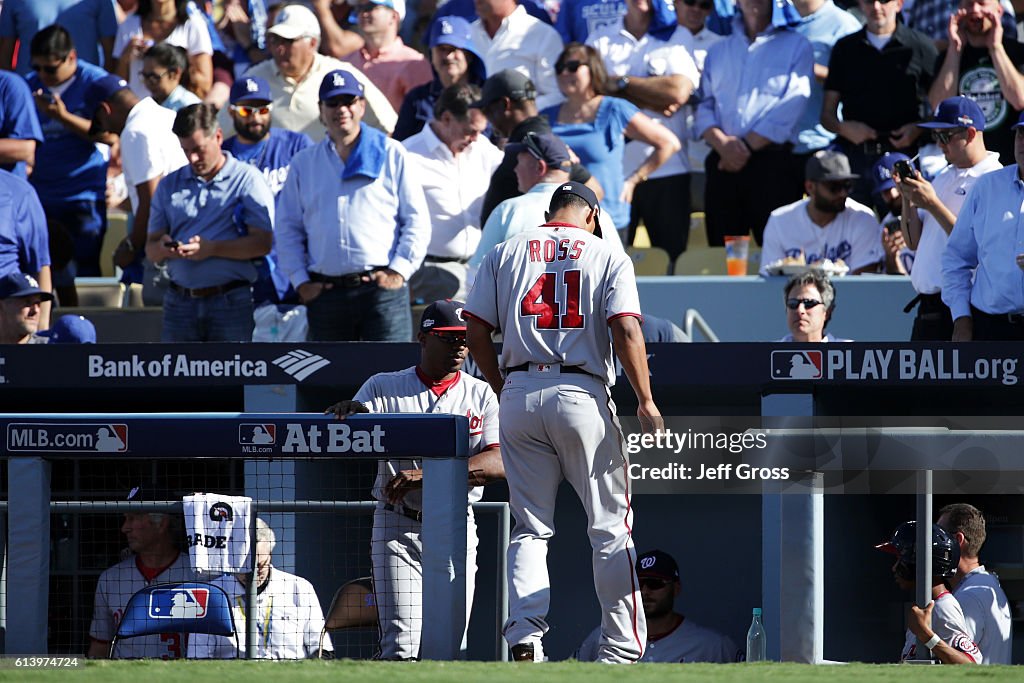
(353, 607)
(181, 607)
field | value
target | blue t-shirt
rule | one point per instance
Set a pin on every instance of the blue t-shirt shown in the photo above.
(272, 157)
(86, 20)
(24, 240)
(599, 145)
(577, 19)
(18, 118)
(68, 167)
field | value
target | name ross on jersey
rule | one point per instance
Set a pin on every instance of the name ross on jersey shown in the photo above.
(549, 251)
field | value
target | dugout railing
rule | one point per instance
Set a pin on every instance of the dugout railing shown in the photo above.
(284, 474)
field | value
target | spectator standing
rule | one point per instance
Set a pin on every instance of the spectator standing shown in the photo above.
(388, 62)
(20, 132)
(898, 258)
(509, 101)
(91, 23)
(929, 210)
(982, 279)
(509, 38)
(594, 125)
(828, 224)
(983, 63)
(295, 72)
(71, 174)
(358, 185)
(454, 163)
(671, 636)
(163, 66)
(810, 301)
(158, 21)
(209, 220)
(880, 111)
(648, 62)
(577, 19)
(21, 304)
(986, 609)
(453, 61)
(754, 87)
(288, 614)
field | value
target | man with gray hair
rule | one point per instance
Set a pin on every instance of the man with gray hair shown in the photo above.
(209, 220)
(288, 613)
(810, 300)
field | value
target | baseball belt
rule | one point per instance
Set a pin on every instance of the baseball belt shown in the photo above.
(414, 515)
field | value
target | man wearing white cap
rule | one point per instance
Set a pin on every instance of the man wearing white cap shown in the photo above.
(393, 66)
(294, 74)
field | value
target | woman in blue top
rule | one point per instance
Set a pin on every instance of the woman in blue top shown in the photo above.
(593, 125)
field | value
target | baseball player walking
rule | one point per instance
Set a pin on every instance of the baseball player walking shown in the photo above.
(562, 297)
(436, 385)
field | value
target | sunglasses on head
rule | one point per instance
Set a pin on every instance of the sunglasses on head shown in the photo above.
(705, 5)
(450, 338)
(341, 101)
(944, 136)
(245, 111)
(653, 584)
(837, 186)
(793, 304)
(571, 65)
(50, 69)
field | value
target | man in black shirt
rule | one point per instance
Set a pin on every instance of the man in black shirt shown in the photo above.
(509, 101)
(983, 63)
(880, 75)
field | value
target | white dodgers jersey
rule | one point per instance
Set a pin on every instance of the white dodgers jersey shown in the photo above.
(552, 293)
(405, 392)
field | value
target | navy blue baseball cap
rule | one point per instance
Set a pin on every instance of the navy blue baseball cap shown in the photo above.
(1020, 122)
(578, 189)
(252, 89)
(956, 112)
(444, 315)
(14, 285)
(882, 171)
(508, 83)
(548, 148)
(71, 329)
(101, 91)
(659, 564)
(340, 82)
(452, 30)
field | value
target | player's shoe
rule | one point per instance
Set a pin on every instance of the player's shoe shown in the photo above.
(524, 652)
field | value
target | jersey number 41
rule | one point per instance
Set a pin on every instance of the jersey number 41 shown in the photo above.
(541, 302)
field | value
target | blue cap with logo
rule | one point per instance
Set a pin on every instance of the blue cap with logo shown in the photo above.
(659, 564)
(14, 285)
(101, 91)
(444, 315)
(547, 147)
(882, 171)
(71, 329)
(956, 112)
(340, 82)
(252, 89)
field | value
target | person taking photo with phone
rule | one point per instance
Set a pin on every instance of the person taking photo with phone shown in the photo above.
(930, 209)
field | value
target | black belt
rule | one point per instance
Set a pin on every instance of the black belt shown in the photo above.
(571, 369)
(348, 281)
(414, 515)
(203, 292)
(445, 259)
(1011, 318)
(777, 147)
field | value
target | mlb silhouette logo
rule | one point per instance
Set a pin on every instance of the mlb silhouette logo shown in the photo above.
(178, 603)
(112, 438)
(796, 364)
(257, 434)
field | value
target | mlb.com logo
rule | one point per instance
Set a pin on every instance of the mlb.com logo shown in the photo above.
(258, 434)
(796, 364)
(178, 603)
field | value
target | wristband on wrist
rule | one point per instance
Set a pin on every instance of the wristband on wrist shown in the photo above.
(933, 641)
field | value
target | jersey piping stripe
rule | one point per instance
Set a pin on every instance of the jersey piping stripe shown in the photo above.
(625, 315)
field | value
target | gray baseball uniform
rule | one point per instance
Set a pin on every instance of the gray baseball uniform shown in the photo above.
(552, 293)
(687, 642)
(949, 624)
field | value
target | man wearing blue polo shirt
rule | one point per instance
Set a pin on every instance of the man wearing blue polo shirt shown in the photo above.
(92, 23)
(270, 150)
(70, 173)
(19, 125)
(209, 220)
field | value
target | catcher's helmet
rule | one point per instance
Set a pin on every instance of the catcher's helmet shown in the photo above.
(945, 551)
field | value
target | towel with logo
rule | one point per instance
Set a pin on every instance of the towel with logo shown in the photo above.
(218, 532)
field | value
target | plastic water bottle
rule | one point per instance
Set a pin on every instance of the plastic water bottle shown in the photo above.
(757, 641)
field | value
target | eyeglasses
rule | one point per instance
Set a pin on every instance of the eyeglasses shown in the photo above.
(944, 136)
(450, 339)
(700, 5)
(837, 186)
(50, 68)
(341, 101)
(245, 112)
(653, 584)
(572, 66)
(793, 304)
(154, 76)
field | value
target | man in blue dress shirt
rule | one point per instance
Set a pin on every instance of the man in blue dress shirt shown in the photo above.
(209, 220)
(353, 224)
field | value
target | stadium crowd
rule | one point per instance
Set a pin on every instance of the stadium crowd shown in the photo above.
(211, 123)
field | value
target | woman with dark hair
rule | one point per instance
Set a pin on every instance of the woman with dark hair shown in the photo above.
(159, 21)
(594, 125)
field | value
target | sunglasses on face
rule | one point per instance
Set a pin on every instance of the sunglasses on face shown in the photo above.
(653, 584)
(838, 186)
(450, 339)
(341, 101)
(572, 66)
(154, 76)
(944, 136)
(700, 5)
(49, 69)
(245, 112)
(793, 304)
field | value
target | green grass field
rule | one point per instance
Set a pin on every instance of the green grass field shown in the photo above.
(445, 672)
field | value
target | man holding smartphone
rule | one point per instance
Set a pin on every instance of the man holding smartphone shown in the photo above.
(930, 209)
